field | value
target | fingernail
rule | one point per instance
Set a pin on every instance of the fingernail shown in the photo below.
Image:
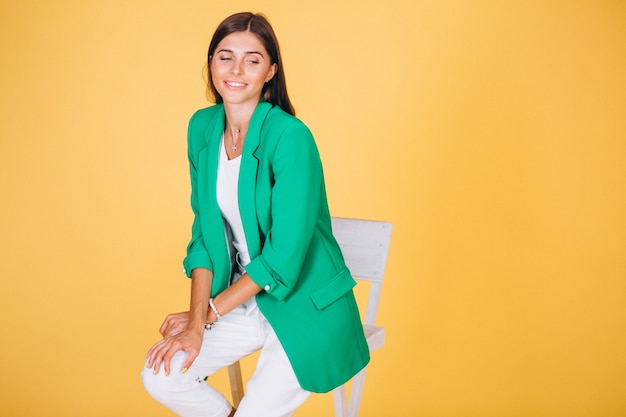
(183, 370)
(167, 374)
(154, 371)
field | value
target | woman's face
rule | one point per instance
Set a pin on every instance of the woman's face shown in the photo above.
(240, 67)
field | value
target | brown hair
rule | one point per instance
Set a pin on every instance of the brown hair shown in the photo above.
(275, 90)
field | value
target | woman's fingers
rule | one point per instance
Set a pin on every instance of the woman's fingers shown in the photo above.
(162, 352)
(154, 355)
(174, 328)
(176, 322)
(157, 354)
(193, 354)
(187, 341)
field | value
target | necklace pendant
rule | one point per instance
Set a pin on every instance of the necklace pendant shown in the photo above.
(234, 148)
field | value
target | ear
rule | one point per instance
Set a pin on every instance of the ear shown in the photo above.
(272, 71)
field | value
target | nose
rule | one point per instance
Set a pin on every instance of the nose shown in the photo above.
(237, 67)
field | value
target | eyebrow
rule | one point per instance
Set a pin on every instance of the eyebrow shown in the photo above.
(246, 53)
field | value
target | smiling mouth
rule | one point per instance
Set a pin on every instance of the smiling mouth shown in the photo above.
(235, 84)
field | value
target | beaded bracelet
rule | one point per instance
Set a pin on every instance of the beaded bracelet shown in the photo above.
(217, 313)
(209, 326)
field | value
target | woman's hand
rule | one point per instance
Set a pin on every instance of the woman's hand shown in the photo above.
(189, 340)
(174, 323)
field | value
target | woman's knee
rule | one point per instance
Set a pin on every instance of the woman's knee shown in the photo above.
(184, 394)
(156, 384)
(161, 386)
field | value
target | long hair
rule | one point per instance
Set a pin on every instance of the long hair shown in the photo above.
(275, 90)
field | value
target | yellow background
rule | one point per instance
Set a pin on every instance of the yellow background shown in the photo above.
(491, 133)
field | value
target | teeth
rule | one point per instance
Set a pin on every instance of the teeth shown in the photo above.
(234, 84)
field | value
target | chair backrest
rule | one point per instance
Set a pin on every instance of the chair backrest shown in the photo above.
(365, 244)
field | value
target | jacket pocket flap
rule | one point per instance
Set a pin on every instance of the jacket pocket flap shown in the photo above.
(333, 289)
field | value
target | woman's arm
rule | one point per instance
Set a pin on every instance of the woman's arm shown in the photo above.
(233, 296)
(197, 254)
(225, 302)
(296, 200)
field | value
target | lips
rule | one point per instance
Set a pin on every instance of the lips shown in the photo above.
(235, 84)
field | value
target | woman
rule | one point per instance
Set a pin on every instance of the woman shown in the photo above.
(266, 272)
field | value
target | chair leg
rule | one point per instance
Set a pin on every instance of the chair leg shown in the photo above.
(356, 392)
(236, 383)
(339, 396)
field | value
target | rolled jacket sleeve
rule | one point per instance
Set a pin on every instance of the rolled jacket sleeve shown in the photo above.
(197, 257)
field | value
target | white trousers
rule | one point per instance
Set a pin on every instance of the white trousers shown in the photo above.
(273, 390)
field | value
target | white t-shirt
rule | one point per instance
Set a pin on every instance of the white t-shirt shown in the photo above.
(228, 201)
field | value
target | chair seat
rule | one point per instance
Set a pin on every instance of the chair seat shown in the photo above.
(375, 336)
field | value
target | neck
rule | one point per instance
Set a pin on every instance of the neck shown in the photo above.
(238, 116)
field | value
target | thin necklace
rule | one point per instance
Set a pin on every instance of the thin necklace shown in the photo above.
(234, 148)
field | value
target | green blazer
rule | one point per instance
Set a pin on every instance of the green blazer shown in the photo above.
(307, 289)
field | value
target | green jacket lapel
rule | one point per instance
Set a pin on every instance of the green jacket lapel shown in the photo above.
(212, 217)
(247, 178)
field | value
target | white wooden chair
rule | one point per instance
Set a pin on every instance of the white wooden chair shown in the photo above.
(365, 245)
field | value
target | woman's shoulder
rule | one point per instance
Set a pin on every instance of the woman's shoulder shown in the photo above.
(280, 121)
(201, 122)
(206, 114)
(280, 117)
